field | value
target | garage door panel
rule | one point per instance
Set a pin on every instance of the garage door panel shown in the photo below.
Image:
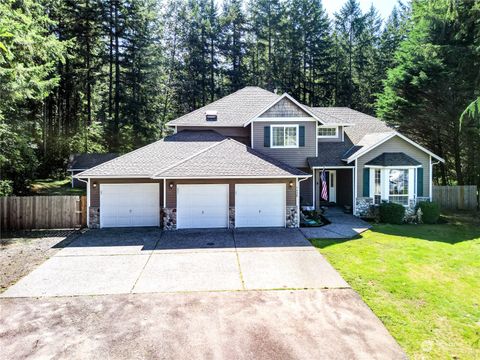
(202, 206)
(124, 205)
(260, 205)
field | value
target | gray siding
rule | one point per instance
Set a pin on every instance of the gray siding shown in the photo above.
(294, 157)
(396, 144)
(306, 190)
(337, 139)
(285, 108)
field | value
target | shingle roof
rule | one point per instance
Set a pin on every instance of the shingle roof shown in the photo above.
(230, 158)
(330, 154)
(87, 161)
(193, 154)
(150, 159)
(361, 132)
(393, 159)
(232, 110)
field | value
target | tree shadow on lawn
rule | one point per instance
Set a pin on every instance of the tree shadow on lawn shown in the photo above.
(446, 233)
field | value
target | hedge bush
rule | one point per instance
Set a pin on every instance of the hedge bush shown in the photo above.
(430, 212)
(392, 213)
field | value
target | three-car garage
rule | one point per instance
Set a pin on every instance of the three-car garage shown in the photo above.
(195, 205)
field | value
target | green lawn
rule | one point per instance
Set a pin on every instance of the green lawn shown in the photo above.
(55, 187)
(422, 281)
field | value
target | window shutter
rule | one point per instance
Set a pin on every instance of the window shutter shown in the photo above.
(301, 135)
(266, 136)
(419, 182)
(366, 182)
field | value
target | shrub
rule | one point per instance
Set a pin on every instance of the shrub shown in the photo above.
(392, 213)
(430, 212)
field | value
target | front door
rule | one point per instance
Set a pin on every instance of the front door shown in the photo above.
(332, 186)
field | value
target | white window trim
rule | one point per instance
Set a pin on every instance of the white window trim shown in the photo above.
(328, 136)
(385, 186)
(284, 146)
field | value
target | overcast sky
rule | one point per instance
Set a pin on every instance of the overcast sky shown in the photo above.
(384, 7)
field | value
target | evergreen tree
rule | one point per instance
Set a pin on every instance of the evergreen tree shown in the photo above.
(426, 93)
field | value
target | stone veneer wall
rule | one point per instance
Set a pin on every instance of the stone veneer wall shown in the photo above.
(292, 217)
(169, 219)
(231, 217)
(94, 217)
(364, 207)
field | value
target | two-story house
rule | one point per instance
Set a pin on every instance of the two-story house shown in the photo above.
(252, 159)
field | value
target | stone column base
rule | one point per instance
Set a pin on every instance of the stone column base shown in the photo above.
(292, 217)
(169, 217)
(94, 217)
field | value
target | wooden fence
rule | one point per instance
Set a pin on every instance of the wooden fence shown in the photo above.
(42, 212)
(464, 197)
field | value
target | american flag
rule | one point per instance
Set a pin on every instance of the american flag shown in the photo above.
(324, 185)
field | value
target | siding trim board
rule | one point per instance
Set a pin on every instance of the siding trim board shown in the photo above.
(284, 96)
(403, 137)
(396, 144)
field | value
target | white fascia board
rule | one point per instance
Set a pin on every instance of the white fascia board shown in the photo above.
(284, 119)
(395, 133)
(285, 95)
(393, 167)
(332, 167)
(112, 176)
(232, 177)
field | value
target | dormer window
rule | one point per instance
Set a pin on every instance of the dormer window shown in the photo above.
(326, 132)
(211, 115)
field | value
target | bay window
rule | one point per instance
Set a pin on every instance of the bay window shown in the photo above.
(377, 186)
(284, 136)
(392, 185)
(398, 186)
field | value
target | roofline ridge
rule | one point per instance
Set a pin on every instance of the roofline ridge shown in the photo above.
(336, 117)
(224, 97)
(120, 156)
(188, 158)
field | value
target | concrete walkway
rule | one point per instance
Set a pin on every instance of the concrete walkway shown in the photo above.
(343, 226)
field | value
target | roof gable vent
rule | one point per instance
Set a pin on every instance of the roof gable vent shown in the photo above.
(211, 115)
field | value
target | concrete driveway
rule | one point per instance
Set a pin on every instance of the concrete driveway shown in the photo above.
(168, 296)
(122, 261)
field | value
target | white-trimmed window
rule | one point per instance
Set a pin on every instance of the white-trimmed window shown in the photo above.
(326, 132)
(377, 186)
(395, 185)
(398, 186)
(284, 136)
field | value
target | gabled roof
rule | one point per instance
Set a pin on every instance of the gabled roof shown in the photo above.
(229, 158)
(148, 160)
(232, 110)
(193, 154)
(393, 159)
(78, 162)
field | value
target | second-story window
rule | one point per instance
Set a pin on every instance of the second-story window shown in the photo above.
(327, 132)
(284, 136)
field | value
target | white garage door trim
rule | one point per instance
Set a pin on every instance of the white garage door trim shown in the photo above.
(260, 205)
(202, 206)
(129, 205)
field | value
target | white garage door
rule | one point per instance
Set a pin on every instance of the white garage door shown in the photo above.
(123, 205)
(202, 206)
(258, 205)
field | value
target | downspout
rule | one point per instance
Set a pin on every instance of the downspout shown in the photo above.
(88, 199)
(298, 198)
(354, 207)
(431, 177)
